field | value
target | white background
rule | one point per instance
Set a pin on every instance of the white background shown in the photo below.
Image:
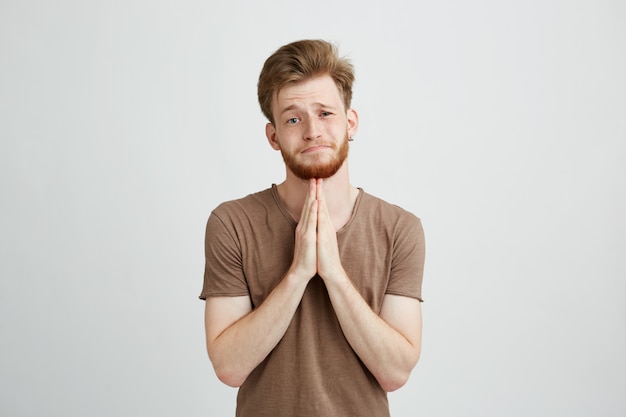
(501, 124)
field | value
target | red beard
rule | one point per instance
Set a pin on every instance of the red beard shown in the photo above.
(317, 170)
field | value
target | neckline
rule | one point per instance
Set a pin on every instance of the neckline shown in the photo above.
(291, 220)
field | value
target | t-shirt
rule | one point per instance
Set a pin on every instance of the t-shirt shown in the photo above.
(313, 370)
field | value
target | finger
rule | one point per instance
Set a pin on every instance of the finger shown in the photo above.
(313, 218)
(306, 207)
(323, 216)
(321, 198)
(319, 189)
(313, 203)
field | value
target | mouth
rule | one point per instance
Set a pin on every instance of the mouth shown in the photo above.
(316, 148)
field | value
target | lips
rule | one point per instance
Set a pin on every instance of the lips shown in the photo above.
(316, 148)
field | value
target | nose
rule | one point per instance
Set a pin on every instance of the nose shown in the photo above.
(313, 130)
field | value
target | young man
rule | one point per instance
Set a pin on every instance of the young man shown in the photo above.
(312, 287)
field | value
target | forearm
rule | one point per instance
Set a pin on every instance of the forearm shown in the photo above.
(385, 351)
(241, 347)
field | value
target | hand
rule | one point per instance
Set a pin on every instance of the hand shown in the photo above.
(305, 251)
(328, 260)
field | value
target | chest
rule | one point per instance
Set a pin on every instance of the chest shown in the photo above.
(365, 252)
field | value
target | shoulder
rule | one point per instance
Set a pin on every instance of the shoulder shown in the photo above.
(246, 206)
(383, 211)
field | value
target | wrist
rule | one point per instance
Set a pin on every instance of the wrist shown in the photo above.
(298, 276)
(336, 277)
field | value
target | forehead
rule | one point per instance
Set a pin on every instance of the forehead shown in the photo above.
(319, 89)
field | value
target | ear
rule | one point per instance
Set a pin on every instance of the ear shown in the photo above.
(353, 122)
(270, 133)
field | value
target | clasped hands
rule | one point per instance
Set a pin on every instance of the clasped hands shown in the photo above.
(316, 249)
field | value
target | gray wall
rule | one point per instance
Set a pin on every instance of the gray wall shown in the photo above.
(501, 124)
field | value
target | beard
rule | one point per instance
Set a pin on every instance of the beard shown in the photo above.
(317, 169)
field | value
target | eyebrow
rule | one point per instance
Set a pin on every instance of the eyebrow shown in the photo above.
(295, 107)
(288, 108)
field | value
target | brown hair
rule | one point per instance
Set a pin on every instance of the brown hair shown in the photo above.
(299, 61)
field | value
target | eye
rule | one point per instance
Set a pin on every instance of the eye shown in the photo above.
(325, 114)
(292, 121)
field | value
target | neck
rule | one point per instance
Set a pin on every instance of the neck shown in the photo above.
(340, 195)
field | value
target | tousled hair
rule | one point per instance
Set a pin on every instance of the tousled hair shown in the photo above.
(299, 61)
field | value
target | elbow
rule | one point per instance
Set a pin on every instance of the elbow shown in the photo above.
(398, 378)
(230, 378)
(227, 373)
(394, 382)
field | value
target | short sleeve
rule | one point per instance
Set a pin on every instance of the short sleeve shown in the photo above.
(407, 265)
(223, 271)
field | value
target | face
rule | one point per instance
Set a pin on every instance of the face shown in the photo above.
(311, 127)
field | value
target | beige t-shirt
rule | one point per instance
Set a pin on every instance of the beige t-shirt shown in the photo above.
(312, 371)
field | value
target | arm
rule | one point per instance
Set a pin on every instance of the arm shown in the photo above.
(239, 338)
(389, 345)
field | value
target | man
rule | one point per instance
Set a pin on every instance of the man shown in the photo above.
(312, 287)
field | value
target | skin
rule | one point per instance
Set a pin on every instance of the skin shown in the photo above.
(310, 124)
